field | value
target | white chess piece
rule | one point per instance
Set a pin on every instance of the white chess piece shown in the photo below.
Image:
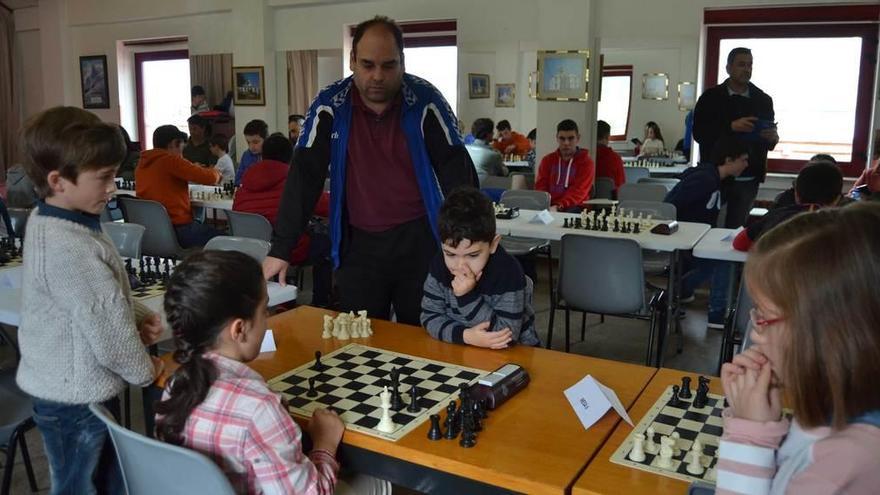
(368, 328)
(336, 327)
(638, 451)
(386, 425)
(676, 443)
(650, 445)
(695, 466)
(328, 327)
(344, 327)
(665, 460)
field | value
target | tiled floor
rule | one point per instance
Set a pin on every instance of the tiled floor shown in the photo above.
(618, 339)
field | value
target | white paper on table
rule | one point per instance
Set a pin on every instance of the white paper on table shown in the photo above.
(268, 344)
(729, 237)
(591, 400)
(543, 217)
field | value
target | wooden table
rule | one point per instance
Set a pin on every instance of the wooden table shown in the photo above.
(604, 477)
(534, 443)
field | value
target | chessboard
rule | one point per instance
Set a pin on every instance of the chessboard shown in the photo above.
(613, 220)
(352, 377)
(691, 423)
(648, 163)
(149, 278)
(10, 252)
(227, 191)
(504, 212)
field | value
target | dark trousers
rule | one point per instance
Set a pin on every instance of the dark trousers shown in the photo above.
(740, 198)
(195, 234)
(379, 270)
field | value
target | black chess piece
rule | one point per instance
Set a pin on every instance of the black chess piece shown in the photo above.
(636, 228)
(702, 396)
(434, 433)
(468, 436)
(674, 401)
(451, 432)
(476, 416)
(413, 406)
(685, 392)
(318, 366)
(397, 402)
(577, 223)
(312, 392)
(484, 411)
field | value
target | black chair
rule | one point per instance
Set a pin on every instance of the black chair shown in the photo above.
(16, 419)
(736, 326)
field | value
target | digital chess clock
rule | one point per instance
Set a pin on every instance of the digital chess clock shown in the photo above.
(500, 385)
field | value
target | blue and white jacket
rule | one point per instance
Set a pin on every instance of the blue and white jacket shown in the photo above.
(438, 155)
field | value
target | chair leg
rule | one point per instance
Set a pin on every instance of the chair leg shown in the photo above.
(583, 326)
(10, 463)
(601, 318)
(550, 326)
(567, 328)
(26, 457)
(126, 404)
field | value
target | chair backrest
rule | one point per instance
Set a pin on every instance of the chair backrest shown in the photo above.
(127, 237)
(495, 182)
(665, 181)
(19, 218)
(256, 248)
(160, 238)
(522, 181)
(642, 192)
(601, 275)
(657, 209)
(526, 199)
(151, 466)
(242, 224)
(741, 315)
(633, 174)
(604, 188)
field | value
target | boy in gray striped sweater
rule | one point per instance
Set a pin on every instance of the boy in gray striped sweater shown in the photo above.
(475, 292)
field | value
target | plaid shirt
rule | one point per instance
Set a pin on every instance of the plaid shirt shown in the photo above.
(242, 425)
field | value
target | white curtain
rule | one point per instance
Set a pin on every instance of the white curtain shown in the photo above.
(302, 80)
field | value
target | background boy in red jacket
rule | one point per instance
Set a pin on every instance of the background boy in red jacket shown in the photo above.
(567, 173)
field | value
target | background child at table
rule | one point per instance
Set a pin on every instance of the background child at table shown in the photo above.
(475, 292)
(219, 147)
(82, 337)
(815, 341)
(216, 304)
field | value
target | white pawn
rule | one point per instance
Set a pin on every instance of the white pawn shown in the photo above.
(368, 329)
(337, 324)
(638, 451)
(695, 466)
(665, 460)
(344, 327)
(650, 445)
(676, 443)
(328, 327)
(355, 328)
(386, 425)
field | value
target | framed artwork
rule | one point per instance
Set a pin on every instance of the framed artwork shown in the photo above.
(655, 86)
(505, 95)
(93, 75)
(250, 86)
(478, 85)
(687, 95)
(563, 75)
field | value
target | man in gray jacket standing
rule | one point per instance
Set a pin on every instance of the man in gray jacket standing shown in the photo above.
(487, 161)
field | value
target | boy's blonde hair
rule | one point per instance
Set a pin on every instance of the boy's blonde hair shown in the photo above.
(822, 270)
(69, 140)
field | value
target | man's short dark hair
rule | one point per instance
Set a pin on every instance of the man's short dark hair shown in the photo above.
(383, 21)
(277, 147)
(200, 121)
(819, 183)
(482, 129)
(503, 125)
(823, 157)
(737, 51)
(468, 214)
(603, 129)
(295, 118)
(220, 141)
(164, 135)
(533, 135)
(256, 127)
(567, 125)
(197, 91)
(728, 147)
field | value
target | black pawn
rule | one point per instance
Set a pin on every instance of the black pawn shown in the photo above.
(318, 366)
(477, 416)
(312, 392)
(468, 437)
(435, 433)
(685, 392)
(674, 401)
(450, 422)
(636, 229)
(413, 406)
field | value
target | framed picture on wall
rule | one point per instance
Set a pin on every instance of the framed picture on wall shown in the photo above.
(563, 75)
(250, 85)
(93, 76)
(687, 96)
(478, 85)
(655, 86)
(505, 95)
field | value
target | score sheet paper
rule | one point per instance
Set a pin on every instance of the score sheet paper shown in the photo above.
(591, 400)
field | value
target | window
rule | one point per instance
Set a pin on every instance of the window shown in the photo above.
(614, 100)
(817, 65)
(163, 92)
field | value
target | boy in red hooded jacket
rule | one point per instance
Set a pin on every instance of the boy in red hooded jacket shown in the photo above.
(567, 173)
(260, 193)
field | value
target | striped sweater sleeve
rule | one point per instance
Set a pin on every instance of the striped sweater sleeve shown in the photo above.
(747, 455)
(434, 316)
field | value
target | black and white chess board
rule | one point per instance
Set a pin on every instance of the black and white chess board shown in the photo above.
(10, 252)
(149, 276)
(691, 423)
(352, 378)
(648, 163)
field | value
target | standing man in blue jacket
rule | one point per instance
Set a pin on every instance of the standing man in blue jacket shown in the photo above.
(393, 150)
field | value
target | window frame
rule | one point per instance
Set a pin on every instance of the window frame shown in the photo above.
(804, 22)
(620, 70)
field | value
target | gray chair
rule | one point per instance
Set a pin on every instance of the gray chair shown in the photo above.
(604, 188)
(19, 219)
(736, 326)
(654, 262)
(604, 276)
(633, 174)
(16, 418)
(642, 192)
(522, 180)
(669, 183)
(160, 238)
(495, 182)
(526, 199)
(256, 248)
(127, 237)
(150, 466)
(251, 225)
(524, 246)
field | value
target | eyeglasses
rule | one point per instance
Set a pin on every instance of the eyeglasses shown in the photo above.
(758, 321)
